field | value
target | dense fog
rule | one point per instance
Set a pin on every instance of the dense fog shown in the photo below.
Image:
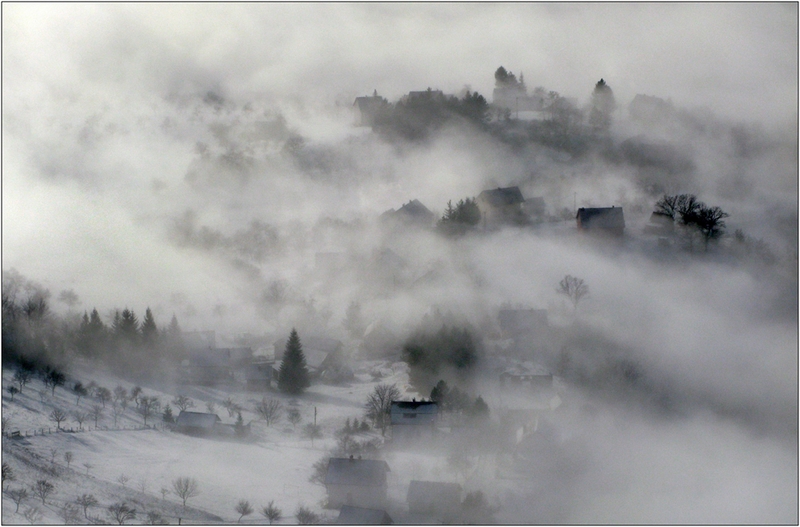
(202, 161)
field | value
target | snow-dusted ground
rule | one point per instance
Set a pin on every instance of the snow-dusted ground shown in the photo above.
(276, 466)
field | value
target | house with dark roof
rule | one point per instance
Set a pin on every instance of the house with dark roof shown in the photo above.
(601, 220)
(413, 422)
(350, 515)
(528, 376)
(197, 423)
(411, 213)
(358, 482)
(321, 353)
(259, 375)
(366, 108)
(437, 499)
(501, 206)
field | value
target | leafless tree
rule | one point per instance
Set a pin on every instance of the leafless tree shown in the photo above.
(69, 513)
(211, 407)
(32, 514)
(379, 403)
(573, 288)
(271, 512)
(164, 491)
(8, 473)
(123, 479)
(120, 512)
(143, 485)
(88, 466)
(116, 412)
(183, 402)
(53, 454)
(18, 496)
(293, 416)
(80, 418)
(185, 488)
(43, 488)
(148, 406)
(104, 394)
(305, 516)
(57, 416)
(312, 432)
(154, 518)
(13, 390)
(121, 396)
(96, 413)
(269, 410)
(22, 377)
(243, 508)
(68, 457)
(86, 501)
(136, 391)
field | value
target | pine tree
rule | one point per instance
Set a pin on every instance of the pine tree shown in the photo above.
(293, 373)
(168, 417)
(149, 329)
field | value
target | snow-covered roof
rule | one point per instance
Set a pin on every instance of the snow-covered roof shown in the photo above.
(413, 412)
(350, 515)
(356, 472)
(197, 419)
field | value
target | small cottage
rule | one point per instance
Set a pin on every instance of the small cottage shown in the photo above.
(350, 515)
(413, 421)
(501, 205)
(358, 482)
(197, 423)
(601, 221)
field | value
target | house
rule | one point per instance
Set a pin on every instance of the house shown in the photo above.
(197, 423)
(366, 108)
(436, 498)
(321, 353)
(350, 515)
(423, 95)
(413, 421)
(501, 205)
(528, 376)
(602, 220)
(660, 224)
(411, 213)
(359, 482)
(259, 375)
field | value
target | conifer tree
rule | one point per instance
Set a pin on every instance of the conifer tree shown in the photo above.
(149, 329)
(293, 373)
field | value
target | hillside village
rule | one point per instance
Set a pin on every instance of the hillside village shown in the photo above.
(449, 420)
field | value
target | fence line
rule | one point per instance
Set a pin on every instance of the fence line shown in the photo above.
(15, 434)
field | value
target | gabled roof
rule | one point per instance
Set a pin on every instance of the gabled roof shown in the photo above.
(501, 197)
(413, 412)
(601, 217)
(350, 515)
(433, 491)
(357, 472)
(197, 419)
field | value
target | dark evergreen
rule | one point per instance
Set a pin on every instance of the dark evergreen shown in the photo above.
(149, 329)
(293, 373)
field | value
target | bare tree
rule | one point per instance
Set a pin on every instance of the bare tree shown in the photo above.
(136, 391)
(52, 379)
(80, 391)
(183, 402)
(43, 488)
(185, 488)
(121, 396)
(57, 416)
(305, 516)
(96, 413)
(573, 288)
(88, 466)
(120, 512)
(116, 411)
(32, 514)
(164, 491)
(271, 512)
(68, 457)
(243, 508)
(379, 404)
(211, 407)
(8, 473)
(53, 454)
(13, 390)
(269, 410)
(312, 432)
(18, 496)
(104, 394)
(143, 485)
(86, 501)
(80, 418)
(293, 416)
(123, 479)
(22, 377)
(154, 518)
(148, 406)
(69, 513)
